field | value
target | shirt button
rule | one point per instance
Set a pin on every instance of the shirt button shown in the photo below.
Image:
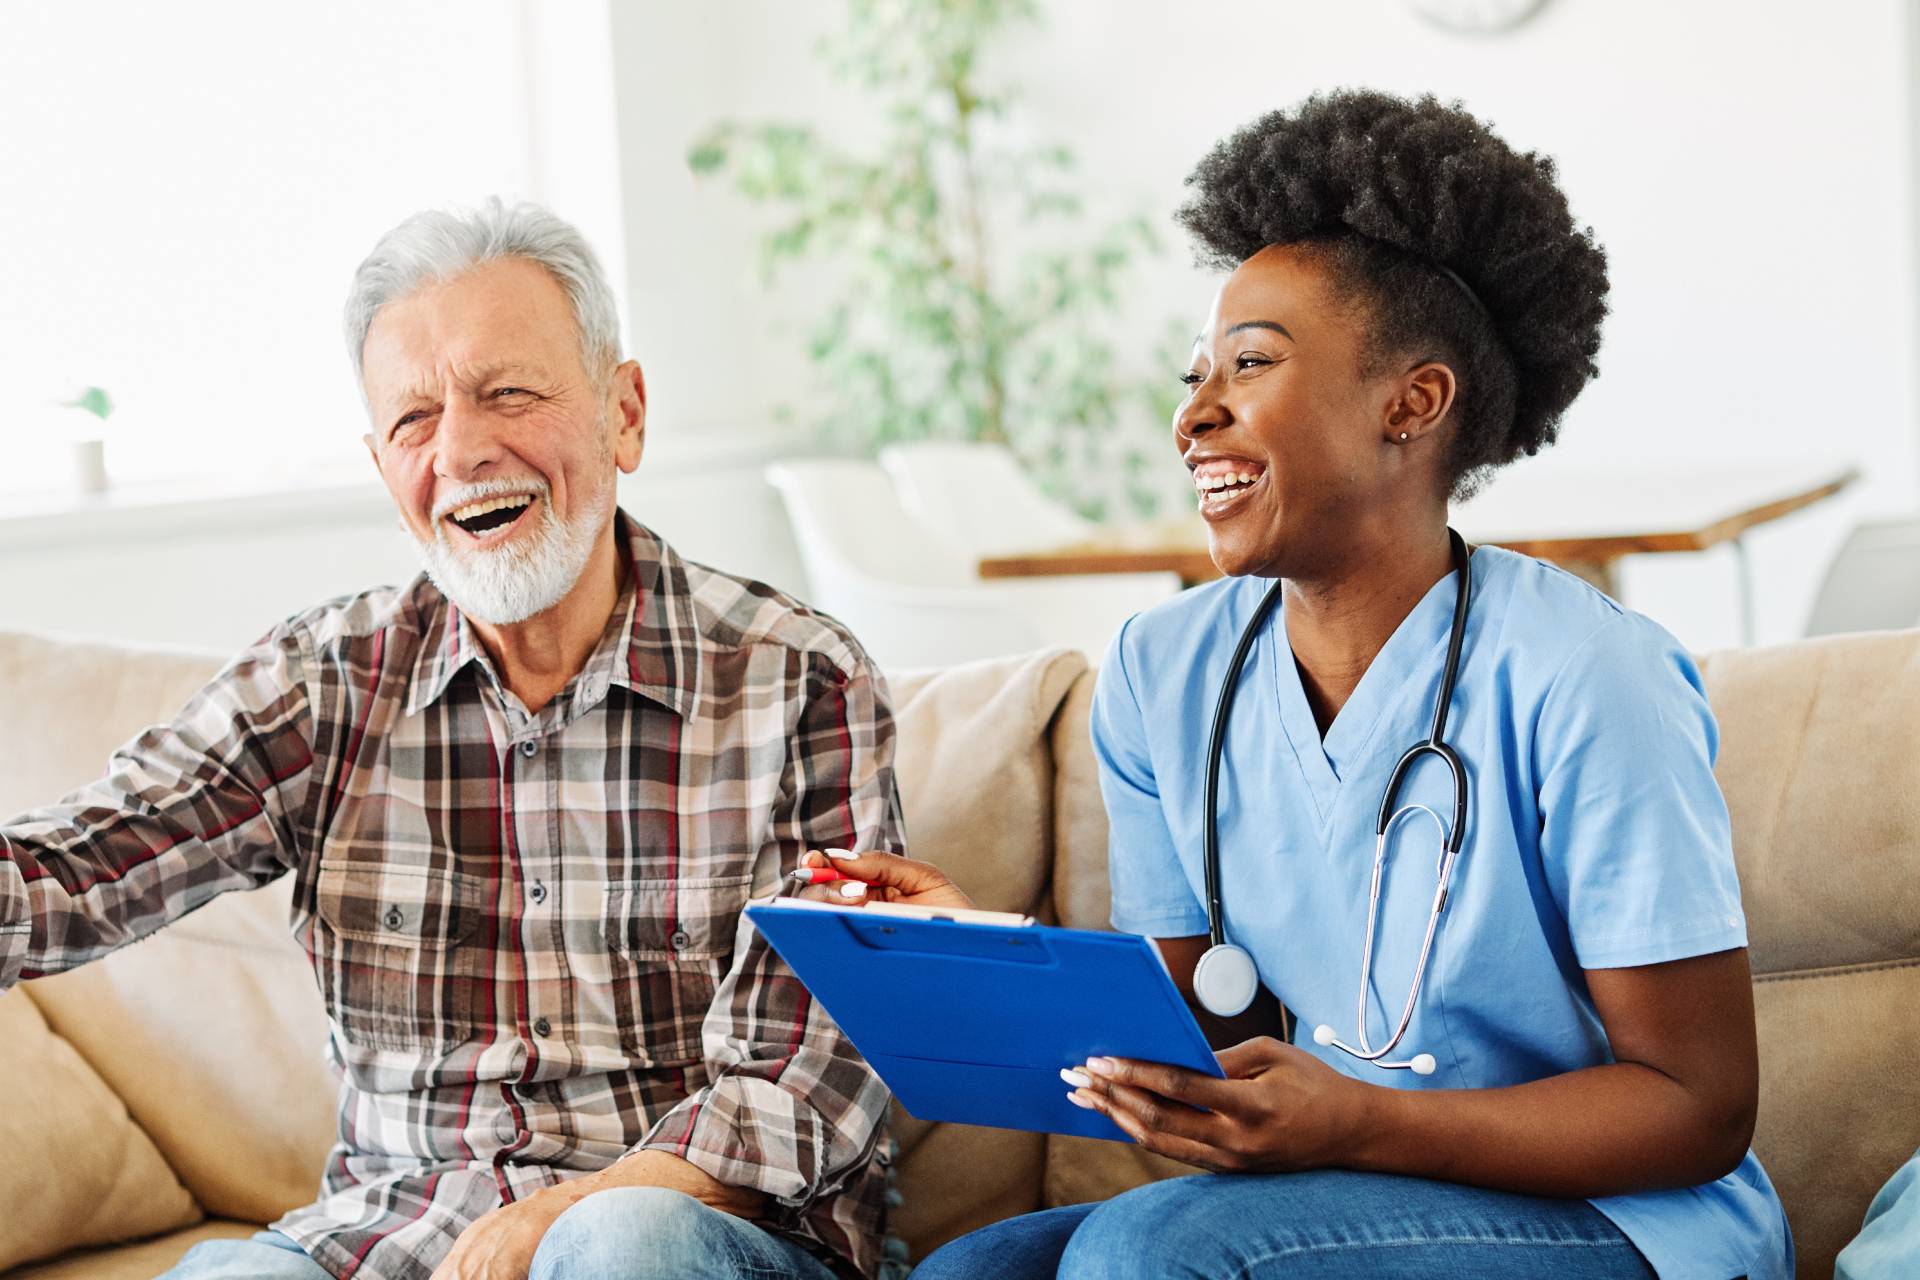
(538, 893)
(541, 1027)
(394, 918)
(529, 749)
(680, 939)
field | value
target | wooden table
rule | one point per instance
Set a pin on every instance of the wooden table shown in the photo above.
(1583, 518)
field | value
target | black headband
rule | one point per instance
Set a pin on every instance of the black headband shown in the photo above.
(1463, 286)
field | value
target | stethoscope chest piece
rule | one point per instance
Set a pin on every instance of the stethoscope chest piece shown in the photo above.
(1224, 981)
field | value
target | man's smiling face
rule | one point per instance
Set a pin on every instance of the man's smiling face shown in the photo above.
(497, 442)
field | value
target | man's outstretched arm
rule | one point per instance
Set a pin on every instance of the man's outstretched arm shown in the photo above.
(186, 811)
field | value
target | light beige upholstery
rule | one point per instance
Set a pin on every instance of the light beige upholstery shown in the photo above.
(112, 1183)
(210, 1034)
(140, 1261)
(1820, 762)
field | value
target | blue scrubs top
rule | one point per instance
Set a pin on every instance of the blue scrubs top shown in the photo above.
(1596, 839)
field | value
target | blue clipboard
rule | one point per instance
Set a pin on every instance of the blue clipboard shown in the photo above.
(971, 1023)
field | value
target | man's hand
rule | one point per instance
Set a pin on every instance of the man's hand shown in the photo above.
(1280, 1109)
(501, 1245)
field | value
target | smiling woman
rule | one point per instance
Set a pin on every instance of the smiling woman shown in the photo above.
(1553, 968)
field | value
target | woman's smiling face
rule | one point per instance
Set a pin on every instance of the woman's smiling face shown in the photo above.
(1289, 436)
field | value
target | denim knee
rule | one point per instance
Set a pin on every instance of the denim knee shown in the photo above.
(264, 1257)
(1140, 1233)
(635, 1233)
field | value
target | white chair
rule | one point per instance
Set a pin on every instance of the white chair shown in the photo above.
(1873, 583)
(911, 598)
(980, 500)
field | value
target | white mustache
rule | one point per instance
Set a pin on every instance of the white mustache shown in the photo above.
(481, 490)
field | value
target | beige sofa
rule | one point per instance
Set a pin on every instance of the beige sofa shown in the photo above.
(176, 1091)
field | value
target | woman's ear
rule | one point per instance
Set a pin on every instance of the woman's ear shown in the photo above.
(1420, 402)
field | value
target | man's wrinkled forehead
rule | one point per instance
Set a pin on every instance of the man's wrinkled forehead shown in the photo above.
(433, 384)
(507, 315)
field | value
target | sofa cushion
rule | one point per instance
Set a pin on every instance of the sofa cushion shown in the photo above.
(67, 705)
(211, 1032)
(1839, 1098)
(975, 770)
(1820, 763)
(1082, 895)
(110, 1184)
(138, 1261)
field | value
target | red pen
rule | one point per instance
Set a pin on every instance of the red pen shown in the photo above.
(821, 875)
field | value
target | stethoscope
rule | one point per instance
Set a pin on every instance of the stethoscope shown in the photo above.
(1225, 979)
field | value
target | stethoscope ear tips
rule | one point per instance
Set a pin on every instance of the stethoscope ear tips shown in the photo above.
(1323, 1035)
(1422, 1064)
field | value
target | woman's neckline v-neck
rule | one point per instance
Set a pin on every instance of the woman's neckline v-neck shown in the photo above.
(1324, 759)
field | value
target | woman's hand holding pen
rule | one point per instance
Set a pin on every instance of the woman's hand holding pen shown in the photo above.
(855, 879)
(1280, 1109)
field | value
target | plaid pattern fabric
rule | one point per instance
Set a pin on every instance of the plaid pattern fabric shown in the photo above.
(527, 928)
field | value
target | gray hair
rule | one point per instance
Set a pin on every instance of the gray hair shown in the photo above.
(439, 244)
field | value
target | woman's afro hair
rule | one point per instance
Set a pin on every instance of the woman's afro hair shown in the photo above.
(1384, 189)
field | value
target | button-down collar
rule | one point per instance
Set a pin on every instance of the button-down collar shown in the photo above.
(650, 645)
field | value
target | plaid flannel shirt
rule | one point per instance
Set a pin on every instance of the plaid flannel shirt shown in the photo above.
(527, 929)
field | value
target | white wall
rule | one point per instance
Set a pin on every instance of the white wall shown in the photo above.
(1745, 162)
(1747, 165)
(185, 190)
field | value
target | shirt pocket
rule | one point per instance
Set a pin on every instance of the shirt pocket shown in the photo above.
(671, 941)
(388, 953)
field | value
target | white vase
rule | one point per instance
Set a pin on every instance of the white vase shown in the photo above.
(88, 465)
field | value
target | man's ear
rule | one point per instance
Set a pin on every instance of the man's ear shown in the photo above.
(1420, 401)
(629, 394)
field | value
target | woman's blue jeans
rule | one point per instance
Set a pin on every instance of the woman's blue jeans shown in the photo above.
(1322, 1225)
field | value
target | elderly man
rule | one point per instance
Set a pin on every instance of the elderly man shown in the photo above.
(523, 800)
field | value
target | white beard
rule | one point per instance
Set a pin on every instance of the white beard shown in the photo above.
(527, 576)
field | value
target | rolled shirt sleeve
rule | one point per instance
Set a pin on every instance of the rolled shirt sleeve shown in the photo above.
(185, 812)
(790, 1108)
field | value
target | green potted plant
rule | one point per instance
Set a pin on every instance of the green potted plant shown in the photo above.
(976, 298)
(87, 446)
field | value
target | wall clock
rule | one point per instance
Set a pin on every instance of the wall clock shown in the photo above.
(1477, 17)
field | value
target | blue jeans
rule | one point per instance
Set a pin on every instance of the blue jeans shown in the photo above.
(1313, 1226)
(626, 1233)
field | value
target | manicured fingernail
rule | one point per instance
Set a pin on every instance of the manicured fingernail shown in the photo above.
(1078, 1079)
(1082, 1100)
(852, 889)
(841, 854)
(1102, 1066)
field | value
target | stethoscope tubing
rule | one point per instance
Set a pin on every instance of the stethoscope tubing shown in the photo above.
(1453, 835)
